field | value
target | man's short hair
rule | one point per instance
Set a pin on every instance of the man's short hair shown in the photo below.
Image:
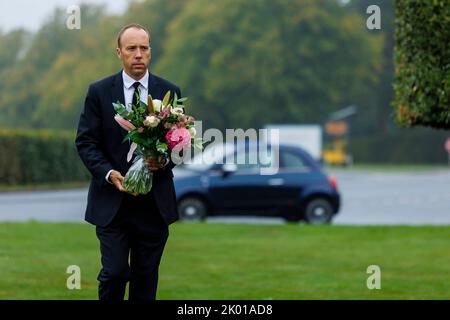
(129, 26)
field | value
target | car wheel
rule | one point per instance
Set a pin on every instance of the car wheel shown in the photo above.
(192, 209)
(318, 211)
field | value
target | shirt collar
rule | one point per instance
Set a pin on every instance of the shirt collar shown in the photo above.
(128, 81)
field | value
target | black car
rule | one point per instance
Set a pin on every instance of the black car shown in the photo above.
(292, 186)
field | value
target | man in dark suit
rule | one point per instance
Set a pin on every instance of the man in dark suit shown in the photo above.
(132, 229)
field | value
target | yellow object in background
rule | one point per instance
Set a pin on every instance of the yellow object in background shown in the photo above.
(336, 155)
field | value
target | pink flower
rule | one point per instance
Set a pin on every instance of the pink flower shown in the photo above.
(164, 113)
(178, 137)
(125, 124)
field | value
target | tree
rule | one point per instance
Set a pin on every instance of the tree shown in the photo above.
(245, 64)
(28, 94)
(12, 48)
(422, 63)
(155, 15)
(380, 117)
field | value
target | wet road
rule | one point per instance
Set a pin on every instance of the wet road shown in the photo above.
(368, 198)
(64, 205)
(394, 198)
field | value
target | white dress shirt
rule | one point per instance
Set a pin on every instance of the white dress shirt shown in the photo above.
(128, 88)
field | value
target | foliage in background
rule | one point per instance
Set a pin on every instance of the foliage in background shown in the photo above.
(238, 61)
(407, 146)
(241, 60)
(304, 58)
(422, 63)
(376, 115)
(53, 70)
(39, 156)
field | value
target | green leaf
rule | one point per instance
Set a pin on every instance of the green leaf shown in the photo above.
(166, 98)
(118, 106)
(175, 100)
(127, 136)
(161, 147)
(121, 110)
(150, 106)
(198, 143)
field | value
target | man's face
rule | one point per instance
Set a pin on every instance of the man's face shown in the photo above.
(134, 52)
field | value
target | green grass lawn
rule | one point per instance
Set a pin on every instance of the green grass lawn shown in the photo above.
(222, 261)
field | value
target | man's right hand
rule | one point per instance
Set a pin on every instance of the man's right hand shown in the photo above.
(116, 179)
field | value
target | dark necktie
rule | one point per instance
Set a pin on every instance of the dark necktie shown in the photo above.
(136, 98)
(136, 94)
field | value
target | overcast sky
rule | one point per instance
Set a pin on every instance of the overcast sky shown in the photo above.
(30, 14)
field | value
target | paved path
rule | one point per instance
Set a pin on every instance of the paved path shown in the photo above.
(394, 198)
(65, 205)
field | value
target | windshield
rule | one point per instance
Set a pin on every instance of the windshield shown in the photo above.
(211, 155)
(245, 157)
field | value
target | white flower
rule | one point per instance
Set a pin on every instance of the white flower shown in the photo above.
(157, 105)
(151, 121)
(177, 110)
(192, 132)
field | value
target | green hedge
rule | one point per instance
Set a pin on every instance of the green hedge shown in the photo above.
(422, 63)
(39, 156)
(408, 146)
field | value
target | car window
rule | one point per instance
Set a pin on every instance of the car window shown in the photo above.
(292, 160)
(247, 160)
(211, 155)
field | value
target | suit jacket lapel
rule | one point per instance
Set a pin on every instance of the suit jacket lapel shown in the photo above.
(153, 87)
(118, 95)
(117, 89)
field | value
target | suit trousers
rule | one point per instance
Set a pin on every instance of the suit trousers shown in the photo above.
(131, 248)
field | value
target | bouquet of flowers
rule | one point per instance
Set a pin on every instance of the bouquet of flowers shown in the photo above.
(157, 130)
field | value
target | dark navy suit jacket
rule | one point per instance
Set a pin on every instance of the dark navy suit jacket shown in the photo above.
(99, 144)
